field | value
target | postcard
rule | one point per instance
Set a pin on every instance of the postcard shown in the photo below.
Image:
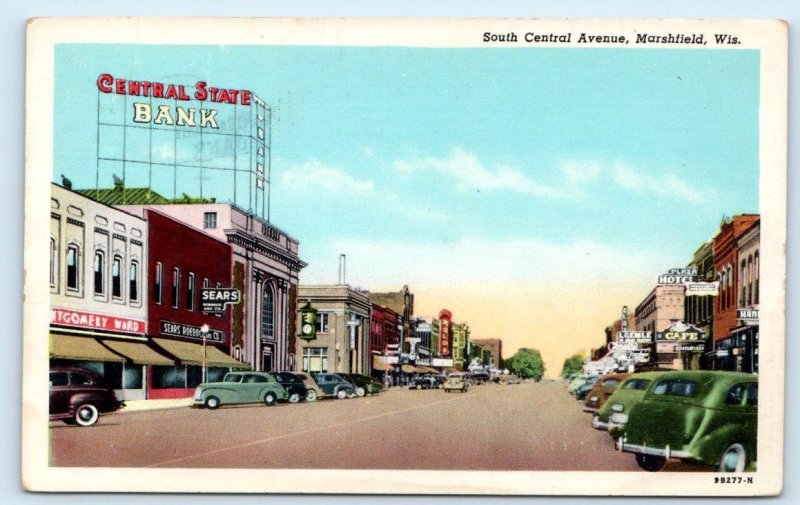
(405, 256)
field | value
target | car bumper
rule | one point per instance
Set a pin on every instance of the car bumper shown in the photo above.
(593, 410)
(665, 452)
(598, 424)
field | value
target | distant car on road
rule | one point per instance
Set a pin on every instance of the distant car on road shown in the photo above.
(240, 387)
(364, 385)
(456, 383)
(602, 389)
(78, 396)
(294, 387)
(707, 417)
(423, 382)
(478, 377)
(582, 391)
(334, 385)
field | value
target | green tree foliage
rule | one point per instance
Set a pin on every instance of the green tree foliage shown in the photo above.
(573, 364)
(526, 363)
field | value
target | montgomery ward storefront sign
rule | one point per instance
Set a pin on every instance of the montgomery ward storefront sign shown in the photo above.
(91, 321)
(171, 329)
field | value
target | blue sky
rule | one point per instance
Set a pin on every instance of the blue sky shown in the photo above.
(463, 166)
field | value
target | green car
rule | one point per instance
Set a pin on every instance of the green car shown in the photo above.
(707, 417)
(613, 415)
(240, 387)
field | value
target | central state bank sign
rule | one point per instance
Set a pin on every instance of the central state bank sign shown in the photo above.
(201, 140)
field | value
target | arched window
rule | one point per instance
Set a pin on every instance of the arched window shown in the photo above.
(116, 277)
(72, 267)
(267, 312)
(757, 276)
(53, 261)
(99, 273)
(133, 282)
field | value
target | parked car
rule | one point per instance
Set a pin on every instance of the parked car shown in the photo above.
(479, 377)
(334, 385)
(240, 387)
(602, 389)
(582, 391)
(294, 387)
(613, 415)
(78, 396)
(314, 391)
(423, 382)
(364, 385)
(456, 383)
(707, 417)
(576, 383)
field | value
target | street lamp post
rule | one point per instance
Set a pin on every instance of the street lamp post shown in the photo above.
(204, 333)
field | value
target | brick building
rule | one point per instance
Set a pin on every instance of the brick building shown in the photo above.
(494, 346)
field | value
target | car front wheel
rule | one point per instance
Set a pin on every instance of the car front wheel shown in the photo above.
(341, 394)
(86, 414)
(360, 391)
(651, 463)
(212, 402)
(734, 459)
(270, 399)
(294, 398)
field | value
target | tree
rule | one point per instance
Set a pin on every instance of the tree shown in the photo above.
(526, 363)
(573, 364)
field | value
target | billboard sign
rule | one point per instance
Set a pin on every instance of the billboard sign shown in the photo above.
(445, 323)
(640, 337)
(702, 288)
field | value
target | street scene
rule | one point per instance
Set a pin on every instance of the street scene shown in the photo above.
(527, 426)
(382, 262)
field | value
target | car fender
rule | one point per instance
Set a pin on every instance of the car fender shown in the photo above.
(278, 389)
(709, 446)
(101, 401)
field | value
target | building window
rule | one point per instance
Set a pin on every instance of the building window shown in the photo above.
(133, 282)
(72, 267)
(176, 281)
(322, 322)
(116, 277)
(190, 292)
(756, 278)
(206, 283)
(315, 359)
(53, 261)
(267, 312)
(99, 273)
(210, 220)
(158, 280)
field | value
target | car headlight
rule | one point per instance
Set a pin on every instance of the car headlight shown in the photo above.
(593, 399)
(617, 407)
(619, 418)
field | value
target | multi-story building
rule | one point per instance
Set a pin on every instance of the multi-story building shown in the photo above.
(739, 350)
(341, 342)
(699, 310)
(423, 336)
(401, 302)
(493, 346)
(265, 266)
(663, 306)
(460, 342)
(181, 261)
(384, 331)
(98, 293)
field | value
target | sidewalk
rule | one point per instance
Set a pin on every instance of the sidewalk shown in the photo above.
(137, 405)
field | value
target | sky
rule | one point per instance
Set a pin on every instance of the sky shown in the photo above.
(531, 191)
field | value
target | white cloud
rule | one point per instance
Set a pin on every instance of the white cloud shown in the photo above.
(470, 174)
(314, 175)
(368, 151)
(581, 173)
(668, 185)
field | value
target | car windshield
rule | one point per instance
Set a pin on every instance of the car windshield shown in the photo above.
(231, 377)
(611, 383)
(676, 387)
(640, 384)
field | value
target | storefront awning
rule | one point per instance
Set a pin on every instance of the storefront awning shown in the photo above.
(409, 369)
(427, 369)
(379, 364)
(192, 354)
(138, 352)
(80, 348)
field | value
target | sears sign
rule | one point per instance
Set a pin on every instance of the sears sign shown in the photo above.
(214, 300)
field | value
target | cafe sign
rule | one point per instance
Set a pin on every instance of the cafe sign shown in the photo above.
(681, 332)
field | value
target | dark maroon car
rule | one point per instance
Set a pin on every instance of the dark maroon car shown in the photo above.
(78, 396)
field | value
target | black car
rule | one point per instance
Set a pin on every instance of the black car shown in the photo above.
(295, 388)
(423, 382)
(364, 385)
(479, 377)
(78, 396)
(334, 385)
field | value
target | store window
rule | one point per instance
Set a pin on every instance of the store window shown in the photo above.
(158, 280)
(133, 282)
(116, 277)
(267, 312)
(72, 267)
(210, 220)
(99, 273)
(315, 359)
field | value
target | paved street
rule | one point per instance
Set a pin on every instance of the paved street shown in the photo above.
(492, 427)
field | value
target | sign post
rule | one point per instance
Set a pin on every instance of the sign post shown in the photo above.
(204, 333)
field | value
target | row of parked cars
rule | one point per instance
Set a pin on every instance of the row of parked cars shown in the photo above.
(705, 417)
(78, 396)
